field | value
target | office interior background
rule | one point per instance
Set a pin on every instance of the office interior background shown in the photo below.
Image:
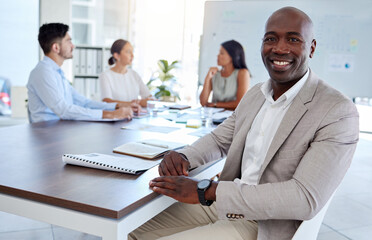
(158, 29)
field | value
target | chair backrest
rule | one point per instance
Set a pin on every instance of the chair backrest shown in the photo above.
(19, 101)
(309, 229)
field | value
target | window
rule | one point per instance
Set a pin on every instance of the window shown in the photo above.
(157, 29)
(170, 30)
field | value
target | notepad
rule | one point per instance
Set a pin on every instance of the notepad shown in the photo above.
(150, 148)
(179, 106)
(193, 123)
(109, 162)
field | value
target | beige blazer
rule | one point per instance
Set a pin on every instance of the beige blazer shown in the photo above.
(306, 161)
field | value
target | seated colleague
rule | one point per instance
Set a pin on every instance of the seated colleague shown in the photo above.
(51, 96)
(288, 145)
(120, 83)
(231, 83)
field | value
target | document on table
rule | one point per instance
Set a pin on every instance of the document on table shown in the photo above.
(150, 149)
(201, 132)
(150, 128)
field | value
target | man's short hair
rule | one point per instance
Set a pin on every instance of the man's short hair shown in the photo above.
(50, 33)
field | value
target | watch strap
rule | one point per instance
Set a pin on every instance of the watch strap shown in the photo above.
(201, 195)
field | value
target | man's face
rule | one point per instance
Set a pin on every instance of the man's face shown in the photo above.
(66, 47)
(287, 46)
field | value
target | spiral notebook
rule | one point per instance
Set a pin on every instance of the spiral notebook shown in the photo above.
(150, 148)
(129, 165)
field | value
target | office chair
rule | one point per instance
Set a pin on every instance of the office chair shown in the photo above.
(309, 229)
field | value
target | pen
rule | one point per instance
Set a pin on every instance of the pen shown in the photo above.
(155, 145)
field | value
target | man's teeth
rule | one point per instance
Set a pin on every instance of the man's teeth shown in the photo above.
(281, 63)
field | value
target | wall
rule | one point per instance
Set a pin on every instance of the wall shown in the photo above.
(56, 11)
(342, 56)
(19, 51)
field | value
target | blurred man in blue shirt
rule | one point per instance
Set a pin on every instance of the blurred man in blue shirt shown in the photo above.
(51, 96)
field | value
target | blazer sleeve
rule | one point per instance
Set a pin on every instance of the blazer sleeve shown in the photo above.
(318, 174)
(212, 146)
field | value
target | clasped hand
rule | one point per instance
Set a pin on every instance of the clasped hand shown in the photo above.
(173, 180)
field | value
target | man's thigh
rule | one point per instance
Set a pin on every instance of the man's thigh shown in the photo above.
(177, 218)
(220, 230)
(181, 217)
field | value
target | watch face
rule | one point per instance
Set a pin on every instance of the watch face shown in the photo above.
(203, 184)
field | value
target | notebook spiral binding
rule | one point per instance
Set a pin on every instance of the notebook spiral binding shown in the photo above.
(100, 164)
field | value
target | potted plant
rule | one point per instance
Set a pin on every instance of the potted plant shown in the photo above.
(163, 81)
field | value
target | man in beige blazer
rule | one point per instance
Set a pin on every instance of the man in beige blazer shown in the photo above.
(288, 145)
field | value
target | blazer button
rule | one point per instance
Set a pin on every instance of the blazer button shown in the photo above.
(228, 215)
(241, 216)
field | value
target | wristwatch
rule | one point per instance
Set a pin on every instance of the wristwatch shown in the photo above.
(203, 185)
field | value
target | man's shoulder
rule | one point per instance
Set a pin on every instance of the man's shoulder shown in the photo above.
(329, 93)
(42, 72)
(329, 100)
(42, 68)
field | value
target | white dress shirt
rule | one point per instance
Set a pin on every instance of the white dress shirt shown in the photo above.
(51, 96)
(263, 129)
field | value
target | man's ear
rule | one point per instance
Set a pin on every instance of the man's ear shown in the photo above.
(312, 48)
(56, 47)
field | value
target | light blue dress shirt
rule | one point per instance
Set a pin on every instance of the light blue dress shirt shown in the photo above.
(51, 96)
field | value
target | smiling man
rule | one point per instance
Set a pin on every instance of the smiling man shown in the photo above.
(288, 145)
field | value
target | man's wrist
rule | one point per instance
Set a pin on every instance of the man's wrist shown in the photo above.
(210, 194)
(107, 114)
(184, 156)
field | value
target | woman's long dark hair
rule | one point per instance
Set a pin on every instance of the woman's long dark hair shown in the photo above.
(236, 52)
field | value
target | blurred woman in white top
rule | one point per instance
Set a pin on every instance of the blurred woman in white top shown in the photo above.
(120, 83)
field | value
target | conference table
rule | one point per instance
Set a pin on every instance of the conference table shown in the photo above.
(35, 183)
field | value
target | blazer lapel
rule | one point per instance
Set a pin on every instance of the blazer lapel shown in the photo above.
(291, 118)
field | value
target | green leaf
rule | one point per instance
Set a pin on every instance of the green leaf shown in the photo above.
(158, 94)
(150, 81)
(166, 78)
(161, 65)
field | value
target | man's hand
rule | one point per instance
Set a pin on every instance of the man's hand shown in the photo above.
(181, 188)
(122, 105)
(174, 164)
(133, 104)
(120, 113)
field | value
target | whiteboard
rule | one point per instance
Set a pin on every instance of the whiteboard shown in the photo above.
(343, 30)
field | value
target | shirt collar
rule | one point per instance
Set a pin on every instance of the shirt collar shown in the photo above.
(50, 62)
(54, 65)
(288, 96)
